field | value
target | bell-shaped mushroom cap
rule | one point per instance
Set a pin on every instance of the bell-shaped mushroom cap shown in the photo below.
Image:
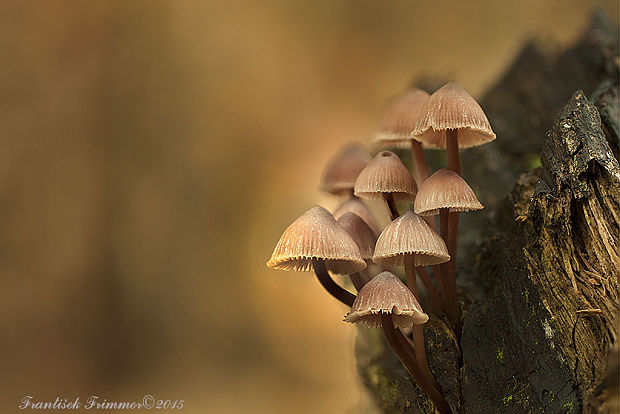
(360, 232)
(357, 206)
(410, 234)
(451, 107)
(399, 118)
(445, 189)
(317, 235)
(385, 293)
(386, 174)
(342, 169)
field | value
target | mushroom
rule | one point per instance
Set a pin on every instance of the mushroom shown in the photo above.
(410, 237)
(410, 242)
(365, 239)
(315, 241)
(342, 169)
(451, 119)
(444, 192)
(385, 293)
(386, 177)
(357, 206)
(386, 302)
(396, 124)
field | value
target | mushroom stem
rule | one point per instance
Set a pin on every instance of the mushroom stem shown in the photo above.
(393, 337)
(365, 275)
(420, 170)
(441, 293)
(430, 287)
(445, 279)
(454, 163)
(391, 204)
(357, 280)
(452, 146)
(328, 283)
(418, 332)
(420, 167)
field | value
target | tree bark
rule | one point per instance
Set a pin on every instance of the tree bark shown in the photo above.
(538, 267)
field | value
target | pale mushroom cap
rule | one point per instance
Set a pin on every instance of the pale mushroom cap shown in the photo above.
(451, 107)
(317, 235)
(445, 189)
(357, 206)
(385, 293)
(360, 232)
(410, 234)
(385, 174)
(342, 169)
(399, 118)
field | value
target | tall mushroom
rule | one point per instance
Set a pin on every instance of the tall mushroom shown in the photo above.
(409, 241)
(315, 241)
(443, 193)
(342, 169)
(387, 178)
(385, 302)
(451, 119)
(396, 124)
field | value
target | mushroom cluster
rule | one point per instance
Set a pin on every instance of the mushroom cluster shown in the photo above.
(350, 241)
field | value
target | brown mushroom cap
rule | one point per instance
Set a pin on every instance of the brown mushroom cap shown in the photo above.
(385, 293)
(451, 107)
(317, 235)
(360, 232)
(357, 206)
(410, 234)
(342, 169)
(386, 174)
(445, 189)
(399, 118)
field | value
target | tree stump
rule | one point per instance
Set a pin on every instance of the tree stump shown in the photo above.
(538, 268)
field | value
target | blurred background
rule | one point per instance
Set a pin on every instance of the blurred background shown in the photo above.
(151, 154)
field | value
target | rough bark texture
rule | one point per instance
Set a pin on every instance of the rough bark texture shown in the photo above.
(539, 266)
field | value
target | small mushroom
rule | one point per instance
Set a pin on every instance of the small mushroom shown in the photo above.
(396, 124)
(360, 232)
(357, 206)
(386, 294)
(342, 169)
(365, 239)
(386, 177)
(386, 302)
(409, 236)
(445, 190)
(399, 118)
(315, 241)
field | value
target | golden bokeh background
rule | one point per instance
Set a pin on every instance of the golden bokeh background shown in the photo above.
(151, 153)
